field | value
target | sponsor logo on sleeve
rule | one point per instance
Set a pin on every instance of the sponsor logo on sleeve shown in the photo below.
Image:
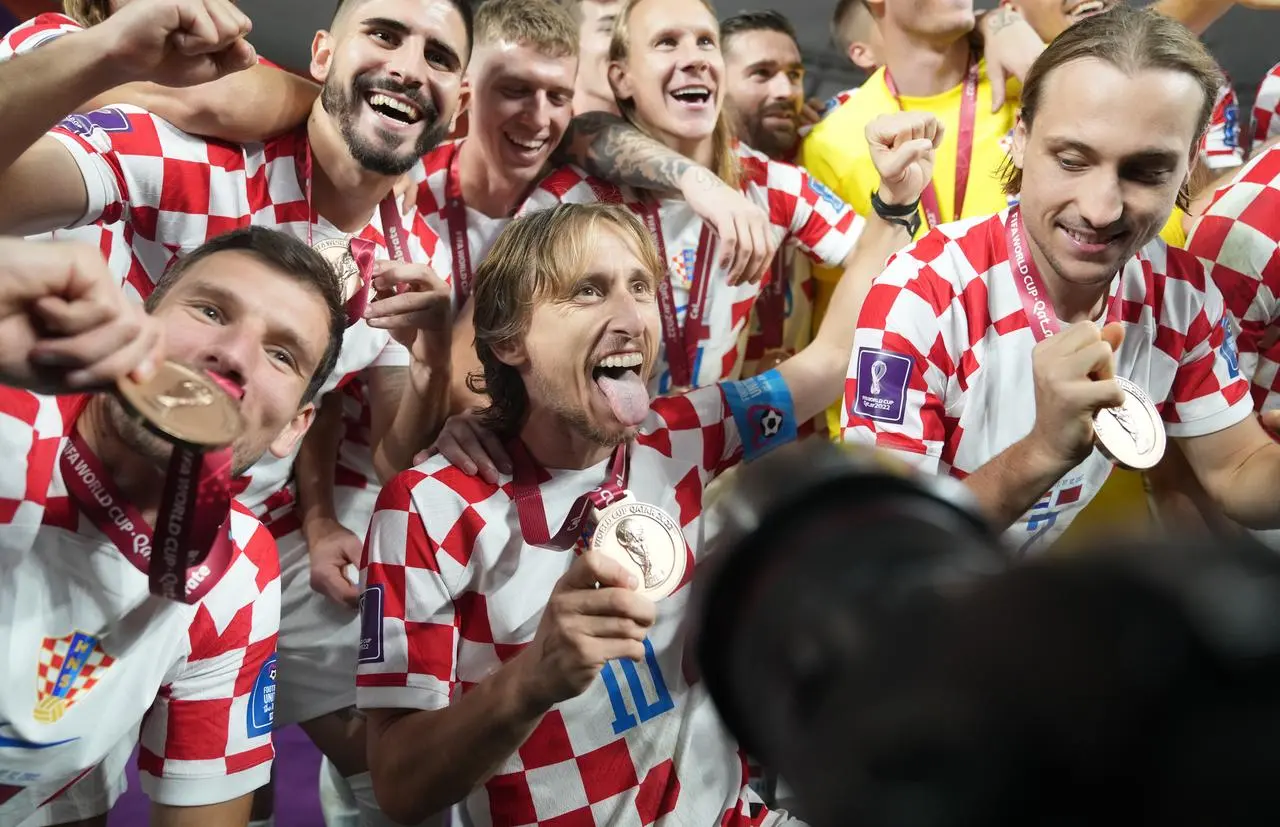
(824, 192)
(882, 385)
(371, 610)
(262, 701)
(107, 120)
(1228, 349)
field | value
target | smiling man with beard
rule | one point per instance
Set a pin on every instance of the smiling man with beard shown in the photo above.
(392, 70)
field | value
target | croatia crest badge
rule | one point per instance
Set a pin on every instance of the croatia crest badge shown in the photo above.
(69, 667)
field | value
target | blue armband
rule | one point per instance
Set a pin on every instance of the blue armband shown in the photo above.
(762, 409)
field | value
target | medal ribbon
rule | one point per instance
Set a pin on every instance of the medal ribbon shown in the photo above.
(1036, 302)
(964, 144)
(771, 305)
(191, 547)
(681, 346)
(363, 251)
(532, 513)
(455, 218)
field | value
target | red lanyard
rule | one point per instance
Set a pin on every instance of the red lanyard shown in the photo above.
(455, 219)
(191, 548)
(363, 251)
(681, 346)
(771, 306)
(525, 482)
(1036, 302)
(964, 144)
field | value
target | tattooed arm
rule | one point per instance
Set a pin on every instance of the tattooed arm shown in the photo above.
(1009, 45)
(610, 147)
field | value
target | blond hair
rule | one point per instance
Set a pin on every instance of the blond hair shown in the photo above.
(543, 24)
(1132, 40)
(539, 256)
(724, 160)
(87, 12)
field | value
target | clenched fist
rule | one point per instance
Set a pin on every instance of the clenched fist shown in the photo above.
(176, 42)
(1074, 377)
(903, 145)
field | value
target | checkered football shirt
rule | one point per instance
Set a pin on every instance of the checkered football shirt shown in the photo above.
(1238, 239)
(1266, 107)
(804, 214)
(173, 191)
(946, 319)
(200, 678)
(452, 591)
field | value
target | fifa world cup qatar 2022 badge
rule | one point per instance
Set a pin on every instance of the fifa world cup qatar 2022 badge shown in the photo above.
(1131, 434)
(646, 541)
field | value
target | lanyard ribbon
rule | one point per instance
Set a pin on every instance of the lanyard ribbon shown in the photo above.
(681, 346)
(191, 547)
(455, 219)
(525, 481)
(1036, 302)
(964, 144)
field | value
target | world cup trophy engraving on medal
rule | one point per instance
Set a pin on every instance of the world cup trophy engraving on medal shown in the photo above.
(646, 541)
(183, 405)
(337, 251)
(1131, 434)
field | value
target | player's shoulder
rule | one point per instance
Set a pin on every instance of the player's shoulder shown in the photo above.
(572, 184)
(132, 130)
(253, 543)
(956, 251)
(440, 492)
(696, 410)
(830, 136)
(36, 32)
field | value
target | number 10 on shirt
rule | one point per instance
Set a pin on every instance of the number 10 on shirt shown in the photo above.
(629, 712)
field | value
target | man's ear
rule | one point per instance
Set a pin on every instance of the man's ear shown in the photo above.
(863, 56)
(465, 97)
(620, 80)
(1018, 147)
(512, 353)
(322, 46)
(288, 439)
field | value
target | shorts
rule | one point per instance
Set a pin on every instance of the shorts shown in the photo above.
(94, 794)
(319, 639)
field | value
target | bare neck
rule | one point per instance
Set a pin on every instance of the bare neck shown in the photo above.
(139, 479)
(343, 192)
(486, 185)
(585, 101)
(554, 443)
(922, 68)
(1071, 302)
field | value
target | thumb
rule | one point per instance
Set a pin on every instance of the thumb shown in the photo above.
(594, 568)
(995, 74)
(1113, 335)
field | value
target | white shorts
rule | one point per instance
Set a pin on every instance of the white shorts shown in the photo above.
(319, 638)
(94, 794)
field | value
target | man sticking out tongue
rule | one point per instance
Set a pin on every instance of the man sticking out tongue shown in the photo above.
(560, 563)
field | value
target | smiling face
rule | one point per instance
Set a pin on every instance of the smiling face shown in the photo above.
(1051, 18)
(392, 71)
(260, 334)
(765, 89)
(589, 350)
(672, 72)
(1102, 163)
(523, 102)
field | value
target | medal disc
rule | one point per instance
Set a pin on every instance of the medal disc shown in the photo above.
(337, 251)
(646, 541)
(1132, 434)
(183, 405)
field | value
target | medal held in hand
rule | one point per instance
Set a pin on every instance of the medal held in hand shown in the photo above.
(646, 541)
(189, 409)
(1131, 435)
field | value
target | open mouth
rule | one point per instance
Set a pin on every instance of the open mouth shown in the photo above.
(1091, 242)
(618, 378)
(233, 389)
(695, 95)
(526, 145)
(1087, 9)
(618, 365)
(397, 110)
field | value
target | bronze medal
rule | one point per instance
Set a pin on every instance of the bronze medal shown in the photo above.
(1131, 435)
(337, 251)
(183, 405)
(646, 541)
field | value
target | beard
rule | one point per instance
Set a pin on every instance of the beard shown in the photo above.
(156, 450)
(576, 418)
(776, 141)
(377, 155)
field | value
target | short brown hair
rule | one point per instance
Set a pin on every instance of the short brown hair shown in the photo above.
(87, 12)
(543, 24)
(725, 161)
(288, 256)
(1132, 40)
(849, 22)
(537, 256)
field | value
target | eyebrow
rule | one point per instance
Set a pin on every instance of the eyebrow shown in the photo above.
(1142, 156)
(287, 337)
(404, 31)
(770, 62)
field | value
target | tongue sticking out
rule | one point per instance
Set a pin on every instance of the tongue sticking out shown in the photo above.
(627, 395)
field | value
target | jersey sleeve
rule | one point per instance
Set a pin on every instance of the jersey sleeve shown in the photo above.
(36, 32)
(1221, 147)
(207, 737)
(408, 619)
(1208, 393)
(895, 388)
(569, 185)
(1266, 108)
(1238, 240)
(819, 222)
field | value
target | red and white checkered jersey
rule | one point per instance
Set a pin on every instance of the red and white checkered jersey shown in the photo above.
(1238, 239)
(941, 369)
(804, 213)
(1266, 107)
(432, 176)
(78, 615)
(174, 191)
(36, 32)
(452, 591)
(1222, 145)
